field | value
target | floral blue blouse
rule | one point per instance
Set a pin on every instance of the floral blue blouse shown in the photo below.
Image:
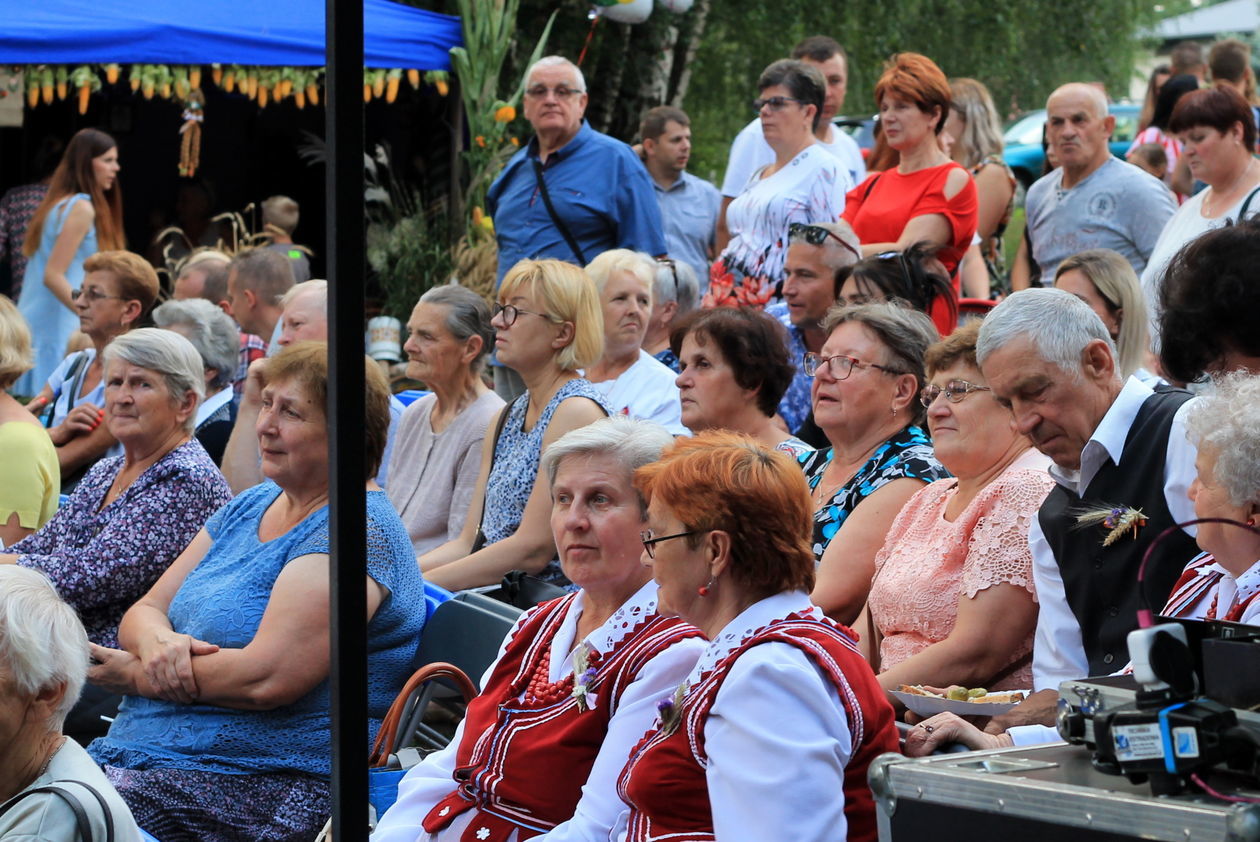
(907, 454)
(103, 560)
(222, 601)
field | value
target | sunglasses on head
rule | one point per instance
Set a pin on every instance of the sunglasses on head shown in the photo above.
(816, 235)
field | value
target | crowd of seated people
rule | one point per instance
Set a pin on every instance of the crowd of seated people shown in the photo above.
(730, 591)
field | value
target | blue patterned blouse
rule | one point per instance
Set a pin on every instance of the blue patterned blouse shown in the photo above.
(908, 454)
(104, 559)
(515, 466)
(222, 601)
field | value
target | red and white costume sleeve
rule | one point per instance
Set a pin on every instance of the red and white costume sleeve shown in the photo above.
(779, 722)
(529, 760)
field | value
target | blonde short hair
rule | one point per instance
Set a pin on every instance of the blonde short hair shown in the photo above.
(567, 294)
(282, 212)
(16, 355)
(636, 263)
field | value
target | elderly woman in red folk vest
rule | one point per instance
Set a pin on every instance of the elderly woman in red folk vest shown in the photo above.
(771, 734)
(578, 679)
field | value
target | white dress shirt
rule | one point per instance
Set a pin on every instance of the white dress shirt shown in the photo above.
(1058, 650)
(599, 807)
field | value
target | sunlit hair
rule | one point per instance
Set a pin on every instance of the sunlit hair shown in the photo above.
(958, 347)
(166, 353)
(1121, 291)
(42, 641)
(75, 175)
(982, 132)
(213, 265)
(317, 287)
(752, 343)
(630, 442)
(676, 281)
(1058, 324)
(641, 265)
(16, 354)
(1227, 421)
(210, 330)
(566, 294)
(904, 332)
(134, 278)
(267, 272)
(282, 212)
(725, 481)
(1219, 108)
(916, 78)
(305, 364)
(579, 83)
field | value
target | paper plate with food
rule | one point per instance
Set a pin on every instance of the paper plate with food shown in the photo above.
(964, 701)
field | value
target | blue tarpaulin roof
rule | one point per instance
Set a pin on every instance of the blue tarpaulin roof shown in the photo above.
(262, 32)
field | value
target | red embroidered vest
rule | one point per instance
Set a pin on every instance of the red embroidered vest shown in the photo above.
(522, 761)
(664, 782)
(1194, 586)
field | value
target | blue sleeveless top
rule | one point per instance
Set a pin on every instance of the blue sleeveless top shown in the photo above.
(515, 466)
(222, 601)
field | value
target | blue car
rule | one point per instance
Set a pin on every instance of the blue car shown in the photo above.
(1025, 156)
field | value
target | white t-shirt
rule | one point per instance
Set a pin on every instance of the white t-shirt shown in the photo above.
(750, 152)
(1186, 224)
(646, 390)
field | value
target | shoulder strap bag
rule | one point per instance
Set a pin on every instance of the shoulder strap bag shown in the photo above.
(551, 211)
(81, 821)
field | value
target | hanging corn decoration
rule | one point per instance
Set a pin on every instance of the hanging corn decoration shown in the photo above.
(32, 88)
(63, 82)
(216, 74)
(438, 79)
(180, 77)
(367, 85)
(393, 79)
(312, 87)
(46, 77)
(299, 88)
(148, 81)
(111, 73)
(378, 83)
(413, 78)
(135, 76)
(164, 80)
(190, 135)
(194, 77)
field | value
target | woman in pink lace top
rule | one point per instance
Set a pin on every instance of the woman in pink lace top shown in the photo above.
(952, 600)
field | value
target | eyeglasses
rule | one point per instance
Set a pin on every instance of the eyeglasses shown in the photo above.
(842, 365)
(511, 311)
(776, 103)
(900, 257)
(561, 92)
(673, 270)
(816, 235)
(92, 294)
(954, 391)
(650, 542)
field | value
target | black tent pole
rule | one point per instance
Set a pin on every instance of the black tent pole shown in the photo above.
(345, 243)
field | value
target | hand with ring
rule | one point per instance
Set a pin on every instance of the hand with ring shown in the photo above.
(946, 728)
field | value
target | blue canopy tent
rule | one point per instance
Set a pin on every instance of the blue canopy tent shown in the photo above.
(276, 32)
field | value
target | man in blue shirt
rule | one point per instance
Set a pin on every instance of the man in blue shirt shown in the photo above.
(597, 195)
(689, 205)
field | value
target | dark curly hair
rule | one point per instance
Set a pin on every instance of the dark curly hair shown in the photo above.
(901, 276)
(1208, 301)
(753, 344)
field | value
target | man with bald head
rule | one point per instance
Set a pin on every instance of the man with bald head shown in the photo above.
(1093, 200)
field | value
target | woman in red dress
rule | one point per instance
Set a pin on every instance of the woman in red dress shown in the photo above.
(771, 734)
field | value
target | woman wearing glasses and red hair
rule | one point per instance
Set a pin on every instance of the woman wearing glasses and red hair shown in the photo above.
(771, 734)
(927, 197)
(865, 395)
(806, 183)
(952, 598)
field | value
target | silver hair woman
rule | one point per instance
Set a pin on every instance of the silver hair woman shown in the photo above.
(43, 664)
(630, 379)
(612, 658)
(675, 293)
(865, 393)
(217, 340)
(449, 338)
(133, 513)
(1105, 281)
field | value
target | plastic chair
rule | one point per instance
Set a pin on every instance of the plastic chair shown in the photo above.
(434, 595)
(464, 632)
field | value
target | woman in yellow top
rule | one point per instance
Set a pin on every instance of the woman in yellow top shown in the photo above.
(28, 460)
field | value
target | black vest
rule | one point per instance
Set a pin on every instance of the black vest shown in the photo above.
(1100, 581)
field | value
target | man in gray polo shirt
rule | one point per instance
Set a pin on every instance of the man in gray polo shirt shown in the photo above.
(689, 205)
(1094, 200)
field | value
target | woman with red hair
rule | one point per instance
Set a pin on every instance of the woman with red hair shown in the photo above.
(771, 734)
(81, 213)
(927, 198)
